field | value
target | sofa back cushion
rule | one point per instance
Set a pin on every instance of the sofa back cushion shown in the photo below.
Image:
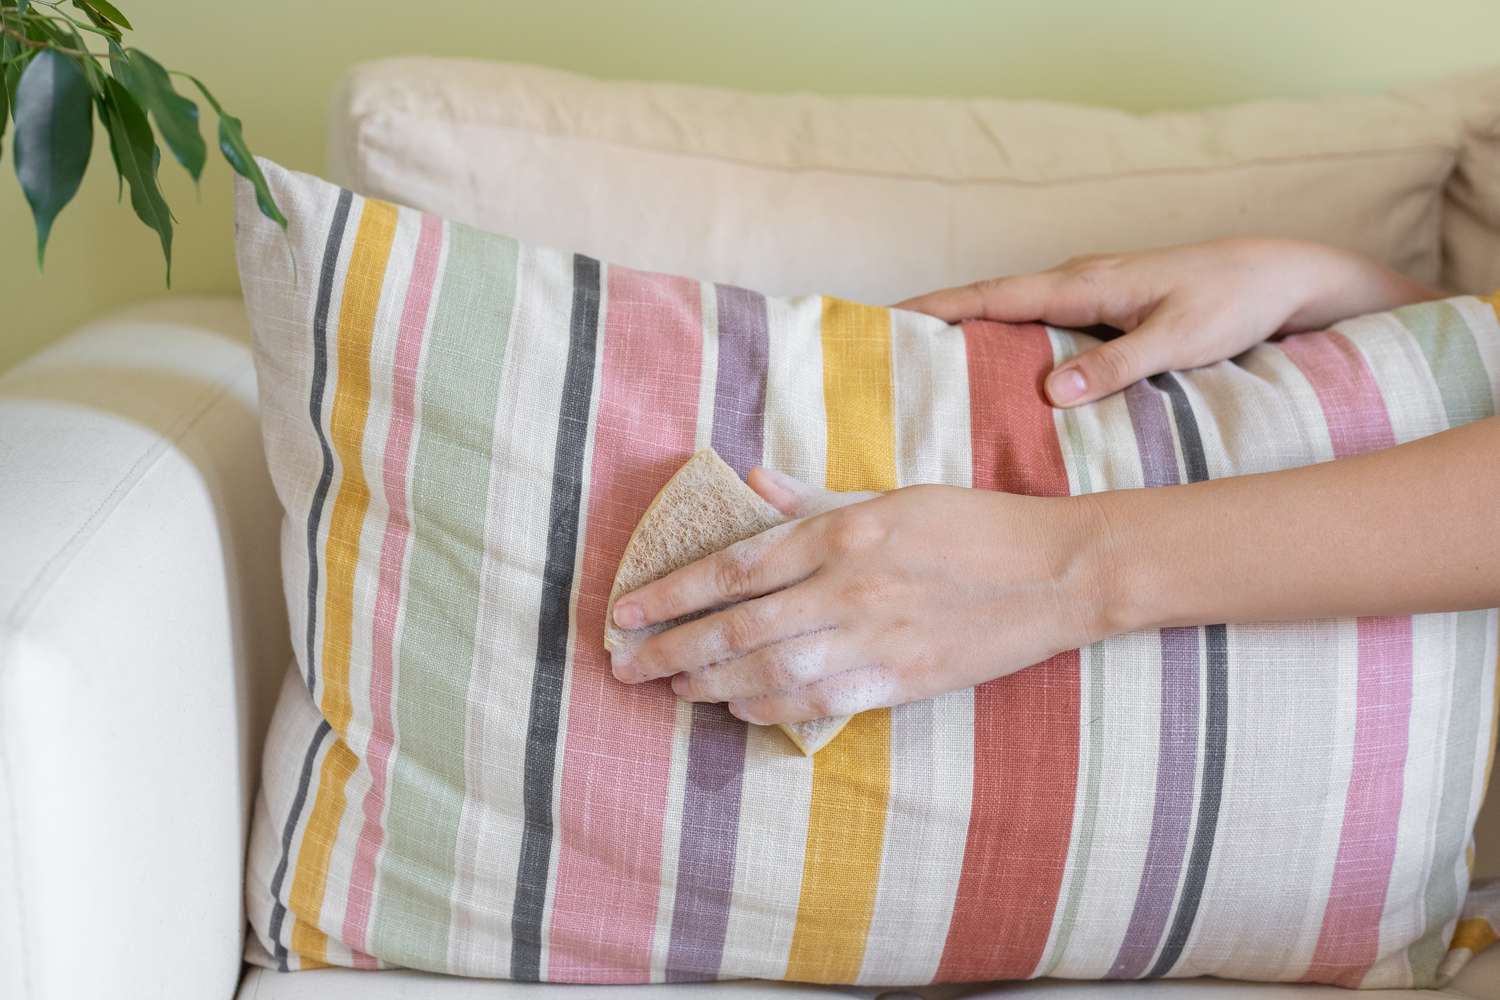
(463, 429)
(880, 198)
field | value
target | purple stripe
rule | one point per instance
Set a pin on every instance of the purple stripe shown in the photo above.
(1177, 745)
(740, 394)
(716, 745)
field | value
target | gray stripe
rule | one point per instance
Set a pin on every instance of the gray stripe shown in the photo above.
(553, 625)
(314, 516)
(1177, 746)
(278, 911)
(1216, 725)
(315, 411)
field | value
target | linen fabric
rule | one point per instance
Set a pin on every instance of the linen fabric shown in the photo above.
(464, 429)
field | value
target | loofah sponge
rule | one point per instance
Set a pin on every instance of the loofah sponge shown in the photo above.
(704, 507)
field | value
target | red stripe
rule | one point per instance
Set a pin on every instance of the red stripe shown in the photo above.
(618, 745)
(1025, 725)
(1349, 939)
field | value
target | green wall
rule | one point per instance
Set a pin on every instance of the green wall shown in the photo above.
(274, 62)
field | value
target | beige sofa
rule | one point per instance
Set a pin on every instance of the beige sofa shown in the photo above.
(142, 633)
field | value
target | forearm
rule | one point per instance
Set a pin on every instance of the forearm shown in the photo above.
(1407, 530)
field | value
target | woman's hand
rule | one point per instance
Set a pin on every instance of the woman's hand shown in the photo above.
(1180, 307)
(869, 600)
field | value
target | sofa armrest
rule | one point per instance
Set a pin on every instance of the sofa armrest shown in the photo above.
(142, 636)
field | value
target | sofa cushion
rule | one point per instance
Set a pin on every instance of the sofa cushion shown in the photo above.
(877, 199)
(1480, 981)
(463, 430)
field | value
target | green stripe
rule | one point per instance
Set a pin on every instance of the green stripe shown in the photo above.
(1448, 344)
(1441, 901)
(449, 480)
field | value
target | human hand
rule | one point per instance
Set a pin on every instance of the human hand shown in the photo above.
(1179, 307)
(869, 600)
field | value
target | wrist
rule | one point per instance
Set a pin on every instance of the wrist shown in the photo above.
(1095, 570)
(1113, 575)
(1338, 284)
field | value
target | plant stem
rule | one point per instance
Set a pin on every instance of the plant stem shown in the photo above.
(59, 12)
(32, 43)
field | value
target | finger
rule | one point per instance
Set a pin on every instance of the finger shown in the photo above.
(758, 565)
(794, 498)
(845, 693)
(1117, 364)
(781, 666)
(1025, 298)
(726, 635)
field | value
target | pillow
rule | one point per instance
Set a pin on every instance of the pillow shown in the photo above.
(740, 187)
(464, 430)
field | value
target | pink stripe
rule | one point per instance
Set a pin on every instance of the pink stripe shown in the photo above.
(1349, 941)
(619, 738)
(388, 594)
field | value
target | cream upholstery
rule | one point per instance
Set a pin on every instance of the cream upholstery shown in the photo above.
(879, 198)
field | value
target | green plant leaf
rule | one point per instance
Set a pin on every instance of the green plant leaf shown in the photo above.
(135, 154)
(102, 110)
(54, 133)
(106, 10)
(100, 23)
(232, 145)
(176, 116)
(7, 53)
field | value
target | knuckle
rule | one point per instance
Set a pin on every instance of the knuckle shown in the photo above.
(785, 671)
(1115, 363)
(1086, 262)
(740, 631)
(852, 529)
(649, 661)
(733, 574)
(819, 701)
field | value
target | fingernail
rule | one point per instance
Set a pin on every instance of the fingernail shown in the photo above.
(629, 615)
(737, 709)
(680, 685)
(619, 665)
(1066, 384)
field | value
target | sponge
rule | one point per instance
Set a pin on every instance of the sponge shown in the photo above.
(703, 508)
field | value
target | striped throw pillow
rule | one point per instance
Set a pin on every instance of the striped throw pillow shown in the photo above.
(464, 430)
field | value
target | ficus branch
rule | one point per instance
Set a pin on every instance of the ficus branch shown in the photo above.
(32, 43)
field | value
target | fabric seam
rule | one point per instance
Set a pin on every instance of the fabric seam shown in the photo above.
(54, 565)
(1450, 151)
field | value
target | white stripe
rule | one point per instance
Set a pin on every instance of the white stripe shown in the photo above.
(1282, 778)
(1127, 716)
(776, 793)
(488, 848)
(932, 742)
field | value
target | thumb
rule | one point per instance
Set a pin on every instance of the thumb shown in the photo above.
(1113, 365)
(793, 497)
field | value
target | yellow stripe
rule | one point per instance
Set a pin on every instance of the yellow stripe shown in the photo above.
(306, 902)
(363, 283)
(1475, 934)
(346, 429)
(851, 776)
(1489, 762)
